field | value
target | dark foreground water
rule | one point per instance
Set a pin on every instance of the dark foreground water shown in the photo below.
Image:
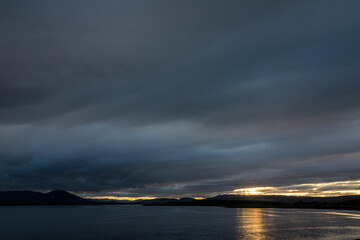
(157, 223)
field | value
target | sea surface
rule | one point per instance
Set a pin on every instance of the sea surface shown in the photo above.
(168, 222)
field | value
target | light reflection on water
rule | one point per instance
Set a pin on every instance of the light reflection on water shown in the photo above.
(299, 224)
(349, 215)
(250, 223)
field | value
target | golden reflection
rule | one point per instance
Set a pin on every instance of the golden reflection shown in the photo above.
(251, 224)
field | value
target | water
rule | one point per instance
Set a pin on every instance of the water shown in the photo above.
(160, 223)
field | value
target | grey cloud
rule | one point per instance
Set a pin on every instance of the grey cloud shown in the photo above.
(173, 97)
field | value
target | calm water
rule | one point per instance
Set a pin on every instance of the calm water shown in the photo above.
(137, 222)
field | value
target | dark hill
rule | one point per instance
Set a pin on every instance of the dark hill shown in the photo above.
(156, 201)
(257, 201)
(56, 197)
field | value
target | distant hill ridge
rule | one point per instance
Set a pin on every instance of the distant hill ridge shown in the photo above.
(59, 197)
(56, 197)
(281, 198)
(265, 201)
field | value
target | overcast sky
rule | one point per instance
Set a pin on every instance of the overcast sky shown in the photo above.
(190, 98)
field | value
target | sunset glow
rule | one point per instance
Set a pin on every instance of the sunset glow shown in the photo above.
(309, 189)
(121, 198)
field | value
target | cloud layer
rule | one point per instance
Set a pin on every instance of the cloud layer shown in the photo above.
(178, 97)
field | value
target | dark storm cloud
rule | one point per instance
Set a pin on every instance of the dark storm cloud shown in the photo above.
(178, 97)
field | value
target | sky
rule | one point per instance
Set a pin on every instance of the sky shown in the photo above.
(180, 98)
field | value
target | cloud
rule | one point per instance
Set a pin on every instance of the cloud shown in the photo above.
(178, 97)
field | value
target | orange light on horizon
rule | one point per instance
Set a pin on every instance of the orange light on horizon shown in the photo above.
(120, 198)
(253, 191)
(328, 189)
(109, 197)
(325, 189)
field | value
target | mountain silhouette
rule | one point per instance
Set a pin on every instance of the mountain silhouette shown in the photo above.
(56, 197)
(60, 197)
(267, 201)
